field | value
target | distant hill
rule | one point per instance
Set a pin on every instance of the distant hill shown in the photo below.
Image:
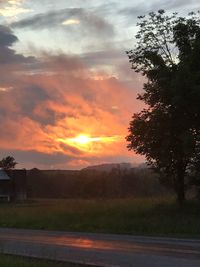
(107, 167)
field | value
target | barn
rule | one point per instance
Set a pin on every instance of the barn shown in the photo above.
(13, 185)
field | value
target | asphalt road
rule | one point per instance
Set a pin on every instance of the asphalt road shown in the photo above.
(101, 249)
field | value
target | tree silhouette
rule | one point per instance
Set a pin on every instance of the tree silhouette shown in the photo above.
(8, 163)
(167, 131)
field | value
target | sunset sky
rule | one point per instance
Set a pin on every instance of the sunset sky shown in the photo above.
(67, 92)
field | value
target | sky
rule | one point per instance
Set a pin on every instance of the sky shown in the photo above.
(67, 91)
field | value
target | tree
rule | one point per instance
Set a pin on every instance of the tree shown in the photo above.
(167, 130)
(8, 163)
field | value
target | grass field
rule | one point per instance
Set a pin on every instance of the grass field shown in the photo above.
(15, 261)
(125, 216)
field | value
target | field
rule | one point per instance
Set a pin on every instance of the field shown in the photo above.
(160, 217)
(15, 261)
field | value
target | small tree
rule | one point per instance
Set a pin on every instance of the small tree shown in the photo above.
(167, 131)
(8, 163)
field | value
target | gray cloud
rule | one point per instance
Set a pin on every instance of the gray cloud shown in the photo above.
(104, 57)
(8, 55)
(37, 158)
(60, 63)
(48, 117)
(28, 98)
(145, 7)
(52, 19)
(25, 102)
(7, 37)
(43, 160)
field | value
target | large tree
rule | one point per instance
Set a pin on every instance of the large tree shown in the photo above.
(167, 131)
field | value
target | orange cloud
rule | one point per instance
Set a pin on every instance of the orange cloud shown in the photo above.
(57, 99)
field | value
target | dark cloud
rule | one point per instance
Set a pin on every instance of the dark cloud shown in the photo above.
(7, 54)
(28, 100)
(7, 36)
(60, 62)
(37, 158)
(29, 97)
(47, 117)
(67, 148)
(42, 160)
(88, 20)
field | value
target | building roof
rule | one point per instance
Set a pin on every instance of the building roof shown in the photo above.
(3, 175)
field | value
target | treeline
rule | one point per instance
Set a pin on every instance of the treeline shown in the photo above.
(134, 182)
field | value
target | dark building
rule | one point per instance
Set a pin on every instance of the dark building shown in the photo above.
(13, 185)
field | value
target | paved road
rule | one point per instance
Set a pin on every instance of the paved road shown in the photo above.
(101, 249)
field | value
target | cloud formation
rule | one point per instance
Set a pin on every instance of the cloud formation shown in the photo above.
(8, 55)
(77, 82)
(58, 97)
(12, 8)
(132, 11)
(88, 20)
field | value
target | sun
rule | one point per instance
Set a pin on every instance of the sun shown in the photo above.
(88, 143)
(81, 139)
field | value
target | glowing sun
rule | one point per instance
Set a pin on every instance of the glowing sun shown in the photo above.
(84, 139)
(86, 143)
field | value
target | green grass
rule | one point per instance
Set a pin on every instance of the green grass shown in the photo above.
(160, 217)
(17, 261)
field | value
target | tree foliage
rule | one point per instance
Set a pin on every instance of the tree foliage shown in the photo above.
(167, 131)
(8, 163)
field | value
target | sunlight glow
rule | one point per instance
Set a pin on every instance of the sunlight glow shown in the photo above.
(5, 89)
(86, 142)
(12, 8)
(13, 11)
(71, 22)
(84, 139)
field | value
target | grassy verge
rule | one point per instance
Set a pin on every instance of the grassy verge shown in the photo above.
(16, 261)
(125, 216)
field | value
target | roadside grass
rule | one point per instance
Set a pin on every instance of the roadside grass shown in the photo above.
(18, 261)
(159, 217)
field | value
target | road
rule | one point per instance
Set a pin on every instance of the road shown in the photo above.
(101, 249)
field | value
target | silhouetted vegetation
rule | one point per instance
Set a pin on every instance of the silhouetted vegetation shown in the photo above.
(91, 183)
(167, 131)
(8, 163)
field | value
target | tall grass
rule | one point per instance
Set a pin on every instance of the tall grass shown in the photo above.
(160, 217)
